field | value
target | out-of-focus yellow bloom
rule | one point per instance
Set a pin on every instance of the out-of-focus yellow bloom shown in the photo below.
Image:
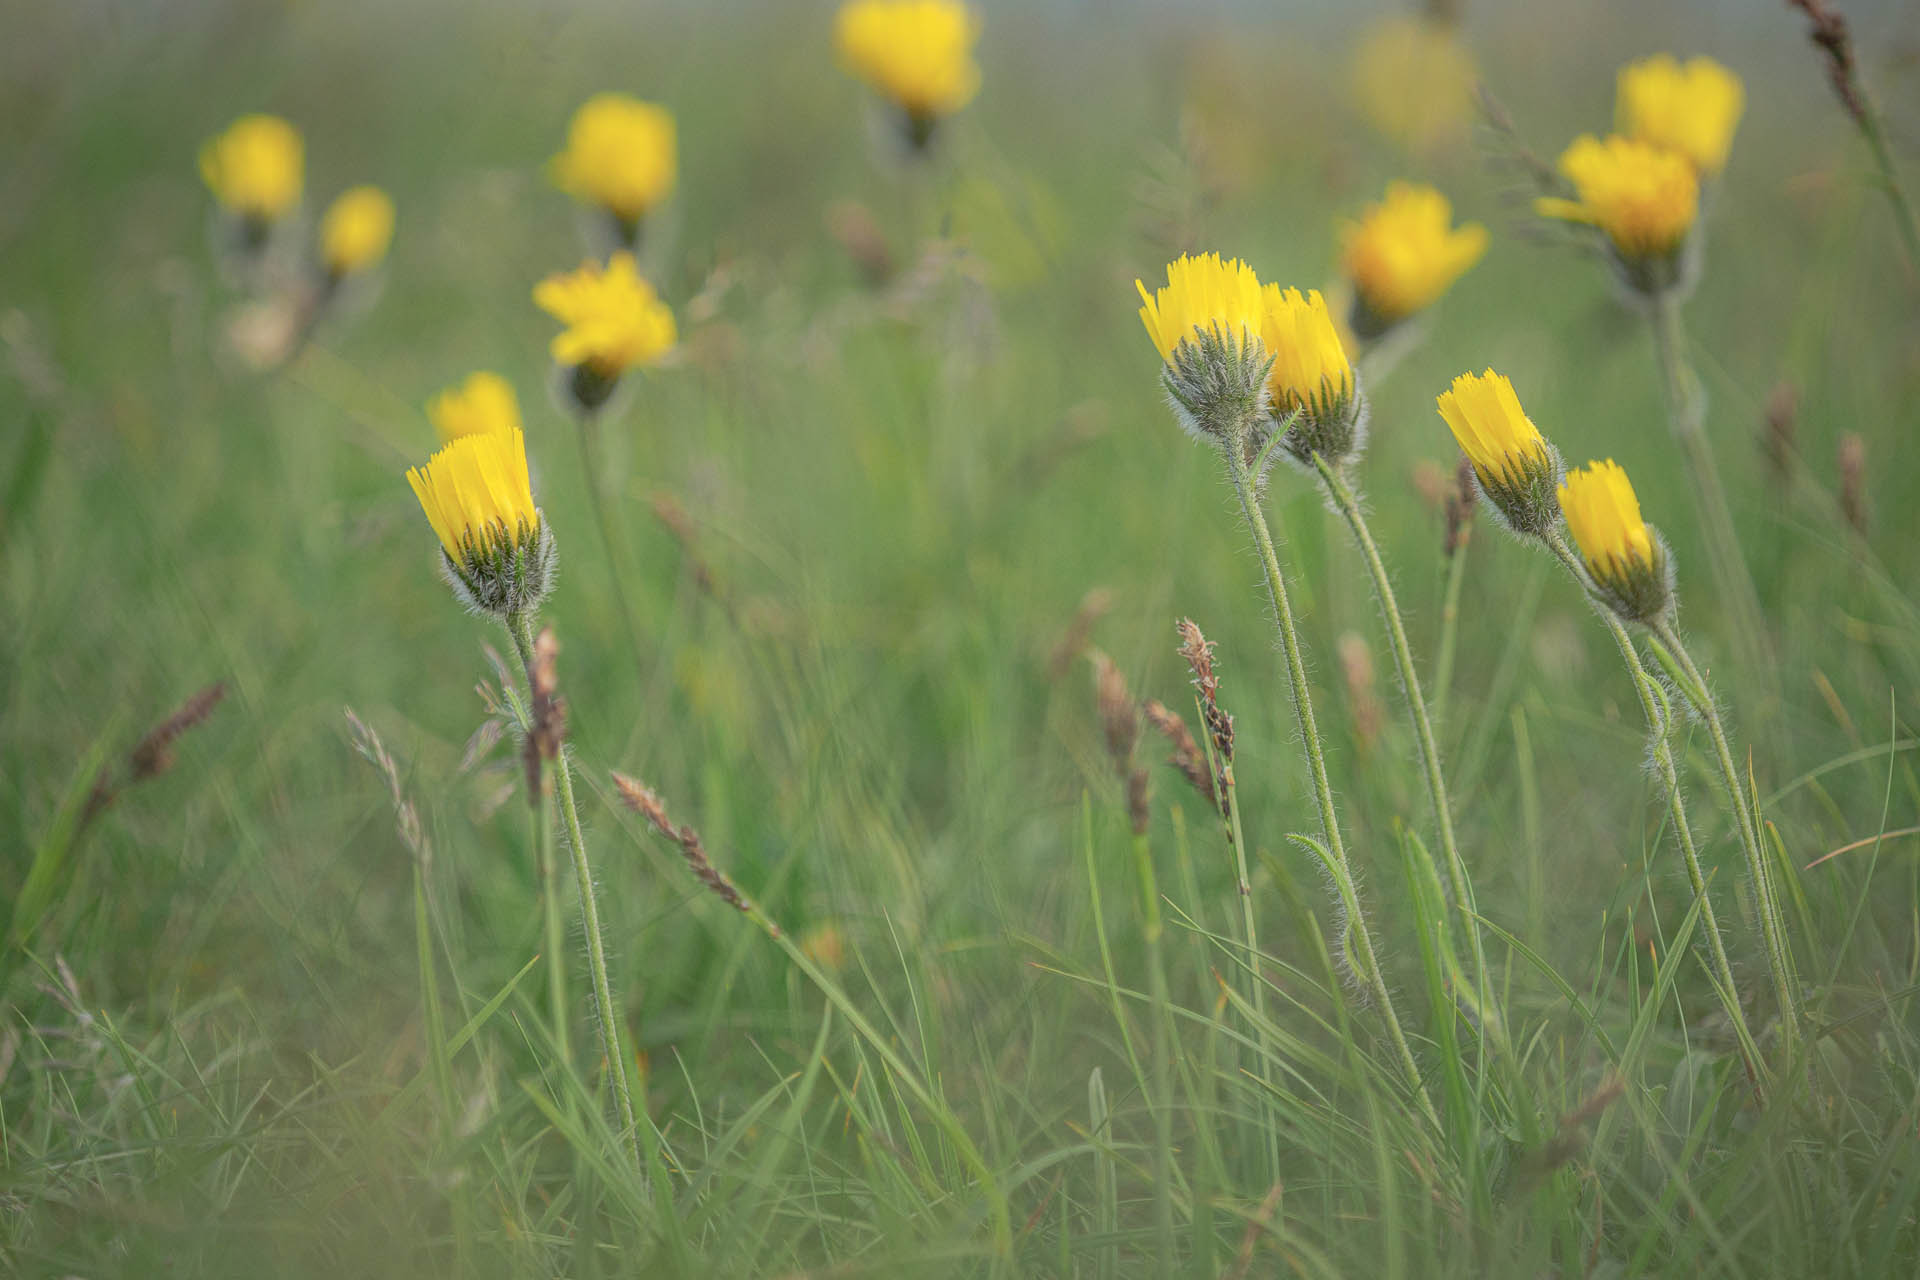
(621, 155)
(483, 405)
(613, 318)
(917, 53)
(1604, 516)
(1493, 431)
(1691, 107)
(1414, 82)
(1403, 253)
(1644, 198)
(477, 496)
(1310, 370)
(356, 230)
(255, 168)
(1203, 295)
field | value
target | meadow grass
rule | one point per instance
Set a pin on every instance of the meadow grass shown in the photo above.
(284, 1008)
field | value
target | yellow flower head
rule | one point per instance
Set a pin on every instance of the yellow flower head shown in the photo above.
(1203, 295)
(477, 496)
(621, 155)
(255, 167)
(1691, 107)
(1643, 197)
(356, 230)
(1414, 81)
(614, 319)
(1310, 367)
(1404, 253)
(483, 405)
(1497, 436)
(918, 53)
(1604, 517)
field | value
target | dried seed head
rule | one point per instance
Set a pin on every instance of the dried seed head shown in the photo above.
(1852, 460)
(153, 754)
(1186, 756)
(1459, 507)
(1195, 648)
(1073, 642)
(547, 713)
(646, 802)
(1356, 665)
(1828, 31)
(1780, 432)
(1119, 718)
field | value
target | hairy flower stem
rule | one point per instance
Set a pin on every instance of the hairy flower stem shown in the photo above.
(1772, 927)
(1243, 484)
(1461, 884)
(1653, 705)
(521, 625)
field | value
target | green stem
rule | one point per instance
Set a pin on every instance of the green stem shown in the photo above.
(1449, 631)
(1243, 889)
(1896, 194)
(1151, 931)
(1460, 883)
(555, 930)
(1772, 927)
(1653, 705)
(521, 624)
(591, 463)
(1243, 485)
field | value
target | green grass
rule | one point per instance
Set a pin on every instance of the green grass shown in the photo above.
(249, 1029)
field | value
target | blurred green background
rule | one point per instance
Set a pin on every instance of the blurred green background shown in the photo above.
(901, 493)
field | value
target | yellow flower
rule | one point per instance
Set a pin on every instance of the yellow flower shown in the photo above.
(1604, 517)
(1492, 430)
(1310, 367)
(621, 155)
(483, 405)
(1691, 107)
(614, 319)
(1644, 198)
(477, 496)
(1414, 81)
(1203, 295)
(356, 230)
(918, 53)
(255, 167)
(1404, 253)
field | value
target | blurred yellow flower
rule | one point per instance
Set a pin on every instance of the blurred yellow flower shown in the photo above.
(356, 230)
(621, 155)
(1203, 295)
(477, 496)
(255, 168)
(1414, 82)
(613, 318)
(1691, 107)
(483, 405)
(1310, 367)
(1604, 516)
(1492, 430)
(1643, 197)
(917, 53)
(1403, 253)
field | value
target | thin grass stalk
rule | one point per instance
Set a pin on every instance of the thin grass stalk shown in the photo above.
(1243, 484)
(1257, 982)
(1458, 880)
(589, 436)
(1653, 706)
(556, 934)
(1151, 930)
(1449, 632)
(1772, 926)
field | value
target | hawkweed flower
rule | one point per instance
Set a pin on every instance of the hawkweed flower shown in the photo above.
(1643, 200)
(1517, 470)
(917, 54)
(1690, 107)
(1402, 254)
(614, 321)
(622, 158)
(496, 550)
(255, 170)
(1626, 557)
(1413, 80)
(482, 405)
(1206, 324)
(355, 233)
(1311, 379)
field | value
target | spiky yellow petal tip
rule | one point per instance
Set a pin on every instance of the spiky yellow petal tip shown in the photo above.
(356, 230)
(255, 168)
(1516, 467)
(1203, 295)
(621, 154)
(916, 53)
(1644, 198)
(477, 496)
(1309, 362)
(614, 320)
(1627, 562)
(1403, 253)
(1690, 107)
(484, 404)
